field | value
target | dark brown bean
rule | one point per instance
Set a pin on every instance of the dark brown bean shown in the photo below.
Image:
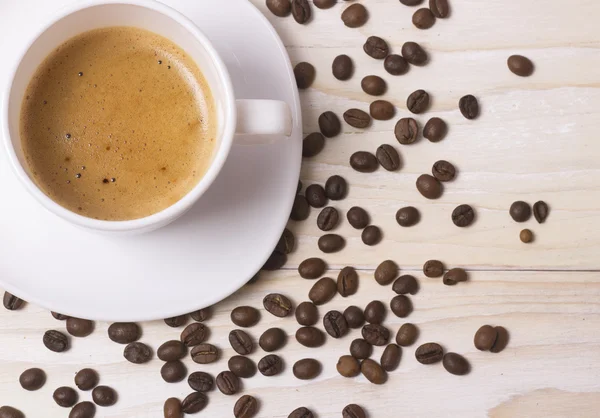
(124, 332)
(376, 334)
(312, 268)
(423, 18)
(520, 211)
(272, 339)
(373, 372)
(520, 65)
(336, 187)
(485, 338)
(355, 15)
(395, 64)
(280, 8)
(245, 316)
(86, 379)
(173, 371)
(382, 110)
(324, 4)
(414, 54)
(194, 334)
(330, 124)
(388, 157)
(83, 410)
(313, 144)
(270, 365)
(406, 131)
(177, 321)
(501, 341)
(305, 75)
(354, 316)
(429, 353)
(104, 396)
(443, 170)
(347, 282)
(455, 276)
(276, 261)
(194, 403)
(137, 353)
(386, 272)
(360, 349)
(469, 107)
(301, 412)
(463, 216)
(540, 211)
(348, 366)
(306, 369)
(411, 2)
(357, 217)
(342, 67)
(433, 268)
(201, 382)
(32, 379)
(300, 209)
(390, 359)
(435, 129)
(247, 406)
(335, 324)
(376, 47)
(172, 406)
(328, 219)
(401, 305)
(228, 383)
(79, 327)
(408, 216)
(429, 186)
(10, 412)
(357, 118)
(315, 196)
(310, 337)
(65, 396)
(331, 243)
(241, 342)
(307, 313)
(204, 354)
(11, 302)
(406, 284)
(322, 291)
(373, 85)
(364, 162)
(301, 11)
(353, 411)
(456, 364)
(278, 305)
(439, 8)
(56, 341)
(371, 235)
(418, 101)
(59, 316)
(375, 312)
(407, 335)
(242, 366)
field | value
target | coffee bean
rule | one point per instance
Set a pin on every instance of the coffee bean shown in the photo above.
(228, 383)
(335, 324)
(32, 379)
(406, 284)
(373, 372)
(300, 210)
(520, 211)
(357, 118)
(176, 321)
(439, 8)
(423, 19)
(276, 261)
(391, 357)
(386, 272)
(270, 365)
(433, 268)
(540, 211)
(324, 4)
(11, 302)
(313, 144)
(342, 67)
(429, 187)
(485, 337)
(455, 276)
(301, 412)
(315, 195)
(360, 349)
(376, 47)
(194, 334)
(241, 342)
(65, 396)
(414, 54)
(83, 410)
(375, 312)
(194, 403)
(306, 369)
(307, 313)
(501, 341)
(312, 268)
(373, 85)
(463, 216)
(330, 124)
(245, 316)
(347, 282)
(124, 332)
(59, 316)
(310, 337)
(242, 366)
(456, 364)
(172, 408)
(348, 366)
(418, 101)
(435, 129)
(407, 335)
(272, 339)
(10, 412)
(336, 187)
(388, 157)
(408, 216)
(382, 110)
(376, 334)
(285, 245)
(280, 8)
(395, 64)
(331, 243)
(354, 316)
(79, 327)
(406, 131)
(246, 406)
(305, 75)
(56, 341)
(411, 2)
(173, 371)
(277, 305)
(86, 379)
(357, 217)
(526, 236)
(322, 291)
(469, 107)
(355, 16)
(429, 353)
(137, 353)
(299, 187)
(371, 235)
(520, 65)
(443, 170)
(301, 11)
(328, 219)
(204, 354)
(104, 396)
(201, 382)
(353, 411)
(401, 306)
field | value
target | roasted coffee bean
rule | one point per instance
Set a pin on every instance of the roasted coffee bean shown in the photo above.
(395, 64)
(411, 2)
(59, 316)
(301, 412)
(241, 342)
(414, 54)
(10, 412)
(364, 162)
(386, 272)
(353, 411)
(173, 371)
(485, 338)
(408, 216)
(373, 85)
(307, 313)
(242, 366)
(423, 18)
(443, 170)
(205, 354)
(375, 312)
(355, 318)
(371, 235)
(357, 118)
(65, 397)
(373, 372)
(429, 187)
(194, 334)
(172, 408)
(418, 101)
(306, 369)
(313, 144)
(406, 284)
(312, 268)
(272, 339)
(305, 75)
(228, 383)
(247, 406)
(456, 364)
(526, 236)
(463, 216)
(322, 291)
(86, 379)
(56, 341)
(348, 366)
(201, 382)
(376, 334)
(433, 268)
(324, 4)
(520, 65)
(330, 124)
(79, 327)
(469, 107)
(382, 110)
(276, 261)
(245, 316)
(407, 335)
(124, 332)
(406, 131)
(278, 305)
(429, 353)
(194, 403)
(11, 302)
(335, 324)
(104, 396)
(360, 349)
(310, 337)
(315, 196)
(301, 209)
(83, 410)
(520, 211)
(137, 353)
(336, 187)
(301, 11)
(391, 357)
(540, 211)
(270, 365)
(177, 321)
(299, 187)
(286, 245)
(331, 243)
(355, 16)
(357, 217)
(388, 157)
(439, 8)
(435, 129)
(455, 276)
(280, 8)
(376, 47)
(328, 219)
(401, 306)
(347, 282)
(501, 341)
(342, 67)
(32, 379)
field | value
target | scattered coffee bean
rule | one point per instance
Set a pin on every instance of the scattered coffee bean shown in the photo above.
(59, 316)
(305, 75)
(204, 354)
(386, 272)
(301, 209)
(315, 195)
(406, 284)
(322, 291)
(382, 110)
(423, 18)
(540, 211)
(353, 411)
(357, 217)
(247, 406)
(364, 162)
(86, 379)
(79, 327)
(407, 335)
(373, 85)
(418, 101)
(336, 187)
(357, 118)
(429, 353)
(270, 365)
(228, 383)
(342, 67)
(276, 261)
(401, 306)
(355, 16)
(435, 129)
(347, 282)
(455, 276)
(177, 321)
(242, 366)
(354, 316)
(395, 64)
(32, 379)
(411, 2)
(65, 396)
(310, 337)
(406, 131)
(194, 403)
(520, 211)
(201, 382)
(301, 11)
(388, 157)
(280, 8)
(443, 170)
(83, 410)
(301, 412)
(414, 54)
(373, 372)
(329, 124)
(10, 412)
(277, 305)
(172, 350)
(408, 216)
(324, 4)
(104, 396)
(485, 337)
(501, 341)
(272, 339)
(307, 314)
(439, 8)
(375, 312)
(312, 268)
(11, 302)
(172, 406)
(173, 371)
(331, 243)
(328, 219)
(433, 269)
(56, 341)
(376, 334)
(390, 359)
(313, 144)
(469, 107)
(137, 353)
(348, 366)
(463, 216)
(526, 236)
(429, 187)
(306, 369)
(520, 65)
(456, 364)
(241, 342)
(376, 47)
(245, 316)
(124, 332)
(194, 334)
(335, 324)
(360, 349)
(371, 235)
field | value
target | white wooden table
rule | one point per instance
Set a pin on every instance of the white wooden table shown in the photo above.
(536, 139)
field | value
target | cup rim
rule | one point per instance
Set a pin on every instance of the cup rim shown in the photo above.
(181, 206)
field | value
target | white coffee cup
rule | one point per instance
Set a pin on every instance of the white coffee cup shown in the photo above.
(249, 121)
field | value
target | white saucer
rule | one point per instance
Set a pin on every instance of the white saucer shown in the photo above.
(202, 257)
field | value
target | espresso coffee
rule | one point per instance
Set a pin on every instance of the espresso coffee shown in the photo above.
(118, 124)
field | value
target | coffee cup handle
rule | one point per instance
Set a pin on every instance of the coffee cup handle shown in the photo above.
(262, 121)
